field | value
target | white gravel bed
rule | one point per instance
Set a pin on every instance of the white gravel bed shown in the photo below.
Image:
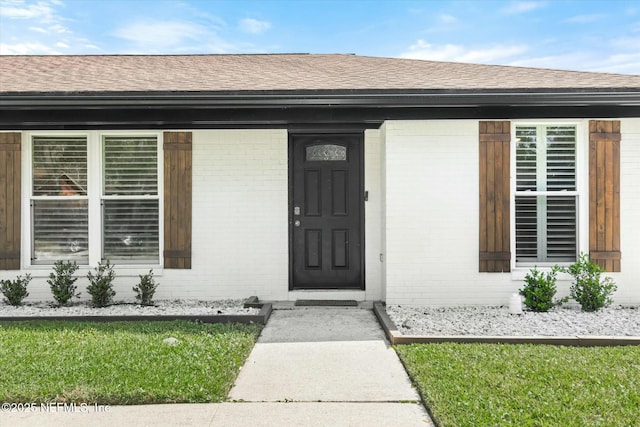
(160, 308)
(497, 321)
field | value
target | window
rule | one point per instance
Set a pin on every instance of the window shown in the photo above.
(130, 199)
(546, 194)
(59, 205)
(90, 203)
(326, 152)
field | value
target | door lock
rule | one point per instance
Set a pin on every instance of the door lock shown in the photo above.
(296, 210)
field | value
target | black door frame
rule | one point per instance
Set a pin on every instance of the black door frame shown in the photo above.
(361, 199)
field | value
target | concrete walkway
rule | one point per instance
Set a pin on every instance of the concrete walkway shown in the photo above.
(310, 366)
(334, 366)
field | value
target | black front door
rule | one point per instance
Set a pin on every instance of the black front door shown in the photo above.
(326, 211)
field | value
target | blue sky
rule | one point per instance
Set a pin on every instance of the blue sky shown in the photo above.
(580, 35)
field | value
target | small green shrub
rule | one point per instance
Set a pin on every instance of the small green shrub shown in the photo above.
(15, 291)
(588, 288)
(101, 285)
(62, 282)
(540, 289)
(146, 288)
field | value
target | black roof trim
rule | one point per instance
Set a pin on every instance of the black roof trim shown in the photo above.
(343, 117)
(352, 98)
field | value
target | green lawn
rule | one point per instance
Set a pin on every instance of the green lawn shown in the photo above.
(120, 362)
(526, 385)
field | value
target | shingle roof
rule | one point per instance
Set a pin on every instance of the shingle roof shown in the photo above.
(279, 72)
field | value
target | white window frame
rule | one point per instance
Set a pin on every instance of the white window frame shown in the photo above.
(95, 197)
(519, 269)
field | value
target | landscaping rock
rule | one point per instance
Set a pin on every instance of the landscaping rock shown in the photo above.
(160, 308)
(496, 321)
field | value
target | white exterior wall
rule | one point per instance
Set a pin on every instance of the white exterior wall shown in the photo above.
(628, 279)
(240, 225)
(431, 254)
(383, 209)
(373, 216)
(421, 219)
(430, 236)
(240, 218)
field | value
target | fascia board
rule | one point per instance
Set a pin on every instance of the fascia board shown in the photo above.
(187, 100)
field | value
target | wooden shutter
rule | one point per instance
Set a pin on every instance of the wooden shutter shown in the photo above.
(177, 200)
(495, 140)
(604, 193)
(10, 186)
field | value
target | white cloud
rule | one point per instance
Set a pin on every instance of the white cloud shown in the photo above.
(158, 33)
(60, 29)
(57, 28)
(173, 37)
(584, 19)
(41, 10)
(621, 62)
(35, 27)
(626, 55)
(41, 27)
(447, 19)
(519, 7)
(253, 26)
(622, 55)
(27, 49)
(624, 43)
(566, 61)
(458, 53)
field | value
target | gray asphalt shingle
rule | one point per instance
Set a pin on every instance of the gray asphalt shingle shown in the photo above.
(280, 72)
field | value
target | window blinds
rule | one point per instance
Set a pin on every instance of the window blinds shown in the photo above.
(130, 204)
(546, 194)
(59, 200)
(130, 166)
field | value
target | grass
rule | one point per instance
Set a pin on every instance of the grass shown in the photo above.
(121, 362)
(526, 385)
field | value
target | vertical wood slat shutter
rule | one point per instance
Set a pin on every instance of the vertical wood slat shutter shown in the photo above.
(10, 188)
(177, 200)
(604, 193)
(495, 141)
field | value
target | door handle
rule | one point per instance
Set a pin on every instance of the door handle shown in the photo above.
(297, 223)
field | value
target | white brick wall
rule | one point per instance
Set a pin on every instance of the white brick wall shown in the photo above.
(629, 278)
(240, 228)
(373, 207)
(383, 209)
(240, 238)
(240, 214)
(431, 217)
(422, 215)
(240, 208)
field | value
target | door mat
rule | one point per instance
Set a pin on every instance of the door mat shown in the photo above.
(326, 303)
